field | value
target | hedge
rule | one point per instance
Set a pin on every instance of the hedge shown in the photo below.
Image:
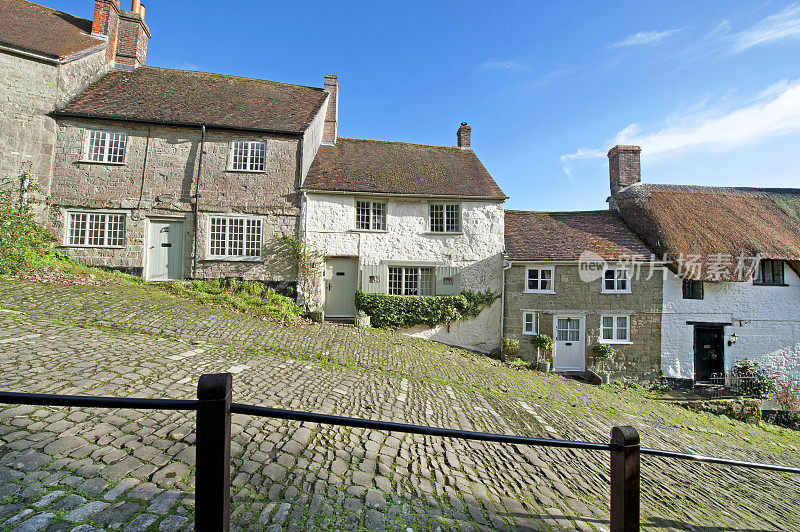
(403, 312)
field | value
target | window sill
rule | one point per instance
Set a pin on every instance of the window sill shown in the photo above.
(770, 284)
(538, 291)
(86, 246)
(615, 342)
(611, 292)
(442, 233)
(246, 171)
(86, 161)
(233, 259)
(369, 231)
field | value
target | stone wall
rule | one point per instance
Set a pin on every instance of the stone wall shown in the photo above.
(159, 178)
(312, 139)
(638, 361)
(765, 319)
(476, 252)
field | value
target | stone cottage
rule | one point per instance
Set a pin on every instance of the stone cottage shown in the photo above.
(582, 278)
(406, 219)
(732, 289)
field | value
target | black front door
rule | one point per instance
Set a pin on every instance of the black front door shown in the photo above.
(708, 355)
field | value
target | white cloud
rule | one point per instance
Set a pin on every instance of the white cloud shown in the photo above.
(782, 25)
(643, 38)
(773, 112)
(508, 65)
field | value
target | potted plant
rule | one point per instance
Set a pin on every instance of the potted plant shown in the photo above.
(362, 319)
(543, 342)
(603, 352)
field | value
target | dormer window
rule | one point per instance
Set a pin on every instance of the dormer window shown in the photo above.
(770, 272)
(105, 146)
(445, 218)
(248, 156)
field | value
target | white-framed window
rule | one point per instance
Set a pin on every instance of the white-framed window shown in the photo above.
(96, 229)
(105, 146)
(444, 217)
(248, 155)
(234, 237)
(615, 329)
(616, 281)
(530, 324)
(540, 280)
(370, 215)
(410, 281)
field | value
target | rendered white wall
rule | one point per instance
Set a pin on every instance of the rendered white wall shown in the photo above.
(766, 320)
(329, 222)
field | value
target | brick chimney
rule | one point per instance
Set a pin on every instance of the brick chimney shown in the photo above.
(623, 167)
(106, 24)
(464, 135)
(133, 37)
(331, 129)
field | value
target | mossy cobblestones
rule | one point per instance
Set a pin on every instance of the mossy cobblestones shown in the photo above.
(87, 469)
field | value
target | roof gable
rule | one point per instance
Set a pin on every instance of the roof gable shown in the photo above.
(564, 236)
(714, 226)
(382, 167)
(36, 28)
(151, 94)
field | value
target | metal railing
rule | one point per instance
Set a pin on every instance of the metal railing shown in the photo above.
(729, 384)
(214, 407)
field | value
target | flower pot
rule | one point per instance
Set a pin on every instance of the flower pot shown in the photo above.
(362, 321)
(605, 378)
(544, 366)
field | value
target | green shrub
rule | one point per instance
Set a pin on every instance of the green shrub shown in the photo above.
(510, 346)
(519, 363)
(543, 341)
(403, 312)
(750, 379)
(24, 244)
(250, 296)
(602, 352)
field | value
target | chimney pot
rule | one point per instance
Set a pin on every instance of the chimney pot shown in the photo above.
(624, 167)
(135, 5)
(464, 135)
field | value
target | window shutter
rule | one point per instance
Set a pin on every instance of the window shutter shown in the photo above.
(374, 279)
(448, 281)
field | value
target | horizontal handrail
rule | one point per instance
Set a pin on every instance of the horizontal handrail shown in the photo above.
(294, 415)
(329, 419)
(43, 399)
(717, 460)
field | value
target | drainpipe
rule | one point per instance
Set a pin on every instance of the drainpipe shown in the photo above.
(506, 267)
(197, 198)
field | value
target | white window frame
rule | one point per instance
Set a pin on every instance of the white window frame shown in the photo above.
(551, 290)
(534, 322)
(245, 222)
(445, 218)
(372, 215)
(616, 289)
(249, 144)
(68, 221)
(109, 135)
(615, 328)
(403, 280)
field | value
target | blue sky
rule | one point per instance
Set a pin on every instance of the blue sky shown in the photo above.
(710, 90)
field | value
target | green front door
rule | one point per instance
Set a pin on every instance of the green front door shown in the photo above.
(340, 287)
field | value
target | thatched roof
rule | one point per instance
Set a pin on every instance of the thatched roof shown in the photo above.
(714, 226)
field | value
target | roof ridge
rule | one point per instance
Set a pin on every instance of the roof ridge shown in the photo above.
(712, 188)
(407, 143)
(152, 67)
(596, 211)
(54, 10)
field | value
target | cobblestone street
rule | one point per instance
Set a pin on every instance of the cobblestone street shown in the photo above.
(82, 469)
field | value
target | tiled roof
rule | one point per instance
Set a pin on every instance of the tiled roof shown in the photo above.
(355, 165)
(47, 31)
(150, 94)
(710, 224)
(563, 236)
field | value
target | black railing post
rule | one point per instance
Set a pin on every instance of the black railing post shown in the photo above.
(624, 479)
(213, 471)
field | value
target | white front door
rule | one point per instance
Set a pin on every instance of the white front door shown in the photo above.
(570, 345)
(164, 250)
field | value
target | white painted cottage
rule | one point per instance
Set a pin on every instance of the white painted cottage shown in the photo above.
(733, 287)
(406, 219)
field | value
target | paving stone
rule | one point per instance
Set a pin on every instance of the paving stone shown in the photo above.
(84, 512)
(115, 472)
(31, 461)
(68, 503)
(164, 502)
(35, 523)
(141, 523)
(117, 514)
(64, 445)
(49, 498)
(173, 523)
(124, 485)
